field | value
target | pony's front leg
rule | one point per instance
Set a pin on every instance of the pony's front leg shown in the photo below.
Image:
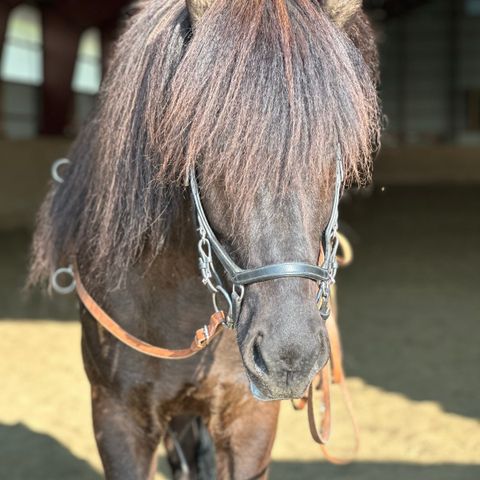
(127, 448)
(243, 435)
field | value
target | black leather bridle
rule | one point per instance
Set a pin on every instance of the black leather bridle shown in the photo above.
(208, 245)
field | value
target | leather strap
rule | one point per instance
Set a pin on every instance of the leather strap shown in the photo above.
(334, 368)
(281, 270)
(345, 253)
(202, 339)
(321, 435)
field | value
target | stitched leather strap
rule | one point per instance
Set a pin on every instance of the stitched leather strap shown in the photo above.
(202, 338)
(281, 270)
(334, 368)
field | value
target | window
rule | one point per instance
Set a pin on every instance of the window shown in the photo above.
(22, 52)
(88, 69)
(21, 71)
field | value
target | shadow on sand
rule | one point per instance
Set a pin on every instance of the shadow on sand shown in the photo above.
(409, 303)
(27, 455)
(372, 471)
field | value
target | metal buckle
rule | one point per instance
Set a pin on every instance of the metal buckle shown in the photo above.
(238, 292)
(227, 298)
(323, 298)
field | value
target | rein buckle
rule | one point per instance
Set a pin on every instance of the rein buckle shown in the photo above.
(202, 337)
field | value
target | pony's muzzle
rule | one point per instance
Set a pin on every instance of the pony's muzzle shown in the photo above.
(281, 365)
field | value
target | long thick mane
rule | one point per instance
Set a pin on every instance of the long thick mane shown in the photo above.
(263, 92)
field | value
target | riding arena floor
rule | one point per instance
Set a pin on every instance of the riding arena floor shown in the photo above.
(410, 321)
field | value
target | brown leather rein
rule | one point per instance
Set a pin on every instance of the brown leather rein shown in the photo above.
(204, 336)
(333, 372)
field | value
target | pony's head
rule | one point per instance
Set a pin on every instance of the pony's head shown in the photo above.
(267, 92)
(258, 96)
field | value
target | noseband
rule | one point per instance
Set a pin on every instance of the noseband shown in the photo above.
(209, 244)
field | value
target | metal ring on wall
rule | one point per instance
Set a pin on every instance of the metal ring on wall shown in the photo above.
(56, 167)
(63, 290)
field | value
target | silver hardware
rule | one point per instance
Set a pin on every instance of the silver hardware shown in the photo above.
(56, 167)
(206, 333)
(227, 298)
(210, 278)
(205, 263)
(323, 298)
(63, 290)
(240, 293)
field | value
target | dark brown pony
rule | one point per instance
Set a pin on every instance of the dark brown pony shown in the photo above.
(258, 95)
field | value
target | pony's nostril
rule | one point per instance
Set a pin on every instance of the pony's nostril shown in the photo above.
(258, 357)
